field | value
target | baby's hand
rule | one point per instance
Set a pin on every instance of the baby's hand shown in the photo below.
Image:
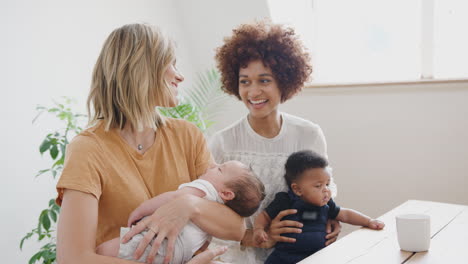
(260, 236)
(375, 224)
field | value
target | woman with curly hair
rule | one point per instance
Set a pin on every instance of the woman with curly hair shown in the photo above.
(264, 65)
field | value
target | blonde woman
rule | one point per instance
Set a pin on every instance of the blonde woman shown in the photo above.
(130, 154)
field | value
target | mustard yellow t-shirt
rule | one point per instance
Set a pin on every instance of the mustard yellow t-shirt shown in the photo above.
(102, 164)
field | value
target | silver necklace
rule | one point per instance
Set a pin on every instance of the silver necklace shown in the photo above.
(140, 147)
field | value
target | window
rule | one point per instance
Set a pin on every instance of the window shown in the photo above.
(380, 41)
(451, 39)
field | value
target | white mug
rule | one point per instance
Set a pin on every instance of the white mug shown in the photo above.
(414, 232)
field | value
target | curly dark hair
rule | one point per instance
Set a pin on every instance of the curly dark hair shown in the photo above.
(278, 47)
(300, 161)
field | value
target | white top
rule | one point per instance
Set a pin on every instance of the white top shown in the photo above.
(266, 157)
(206, 187)
(187, 243)
(192, 236)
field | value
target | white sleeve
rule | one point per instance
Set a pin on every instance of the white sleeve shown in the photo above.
(205, 186)
(216, 146)
(320, 144)
(321, 148)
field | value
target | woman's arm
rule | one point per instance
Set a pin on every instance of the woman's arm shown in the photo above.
(149, 206)
(168, 220)
(76, 233)
(218, 220)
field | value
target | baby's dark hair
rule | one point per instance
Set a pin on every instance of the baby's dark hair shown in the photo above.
(300, 161)
(249, 192)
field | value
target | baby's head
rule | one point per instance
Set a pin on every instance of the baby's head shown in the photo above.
(308, 178)
(240, 189)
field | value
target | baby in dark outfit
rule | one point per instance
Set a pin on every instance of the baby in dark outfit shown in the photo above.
(308, 179)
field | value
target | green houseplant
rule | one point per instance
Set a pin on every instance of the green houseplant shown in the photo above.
(198, 105)
(202, 103)
(54, 144)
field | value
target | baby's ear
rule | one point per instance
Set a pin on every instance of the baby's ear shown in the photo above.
(296, 189)
(227, 195)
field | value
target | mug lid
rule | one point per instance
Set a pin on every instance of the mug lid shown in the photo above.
(413, 216)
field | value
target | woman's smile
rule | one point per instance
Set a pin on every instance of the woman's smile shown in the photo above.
(258, 104)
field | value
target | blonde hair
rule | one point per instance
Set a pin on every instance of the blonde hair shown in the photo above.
(128, 78)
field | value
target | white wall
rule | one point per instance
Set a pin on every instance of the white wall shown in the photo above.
(207, 22)
(48, 50)
(394, 143)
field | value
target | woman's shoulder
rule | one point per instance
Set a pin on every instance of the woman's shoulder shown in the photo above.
(299, 128)
(88, 139)
(300, 122)
(178, 125)
(181, 130)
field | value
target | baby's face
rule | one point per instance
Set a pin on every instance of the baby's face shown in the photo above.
(313, 186)
(227, 171)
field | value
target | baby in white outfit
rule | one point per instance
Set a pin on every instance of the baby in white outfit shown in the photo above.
(230, 183)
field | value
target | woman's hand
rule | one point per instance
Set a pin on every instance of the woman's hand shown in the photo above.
(134, 217)
(278, 227)
(165, 223)
(333, 230)
(208, 255)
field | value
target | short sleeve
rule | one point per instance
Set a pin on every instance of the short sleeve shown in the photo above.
(320, 143)
(217, 148)
(280, 203)
(321, 148)
(333, 210)
(211, 193)
(81, 169)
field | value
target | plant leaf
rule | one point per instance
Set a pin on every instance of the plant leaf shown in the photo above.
(44, 219)
(35, 257)
(63, 148)
(56, 208)
(53, 215)
(53, 110)
(59, 161)
(26, 237)
(45, 145)
(54, 152)
(42, 172)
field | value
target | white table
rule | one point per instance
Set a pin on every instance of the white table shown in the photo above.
(449, 239)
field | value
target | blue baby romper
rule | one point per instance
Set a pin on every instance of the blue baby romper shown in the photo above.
(312, 238)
